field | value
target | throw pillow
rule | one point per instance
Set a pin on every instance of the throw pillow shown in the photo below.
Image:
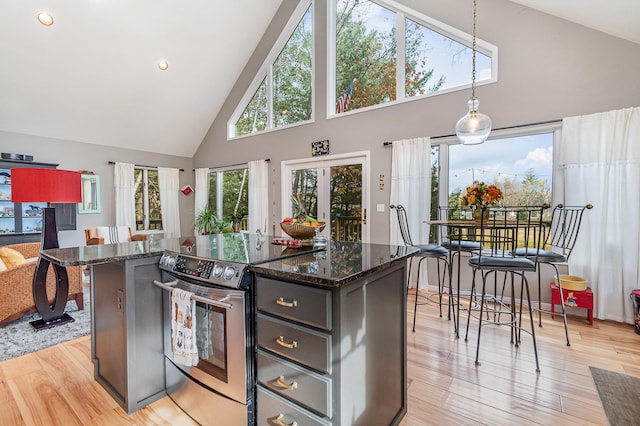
(10, 257)
(3, 267)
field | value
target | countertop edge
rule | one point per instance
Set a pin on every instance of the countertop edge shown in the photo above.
(265, 270)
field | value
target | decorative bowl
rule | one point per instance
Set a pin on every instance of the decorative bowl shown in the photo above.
(572, 282)
(300, 231)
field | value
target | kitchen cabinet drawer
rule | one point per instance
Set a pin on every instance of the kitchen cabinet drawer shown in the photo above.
(307, 305)
(275, 410)
(303, 386)
(305, 346)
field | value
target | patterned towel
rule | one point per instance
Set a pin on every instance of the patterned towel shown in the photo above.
(183, 328)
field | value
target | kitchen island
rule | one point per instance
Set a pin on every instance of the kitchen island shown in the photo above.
(348, 302)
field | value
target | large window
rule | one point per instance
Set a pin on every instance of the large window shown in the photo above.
(148, 212)
(281, 94)
(385, 52)
(520, 164)
(229, 195)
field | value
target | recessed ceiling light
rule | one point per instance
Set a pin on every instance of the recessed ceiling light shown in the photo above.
(45, 19)
(163, 65)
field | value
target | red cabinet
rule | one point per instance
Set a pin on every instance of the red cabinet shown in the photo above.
(576, 299)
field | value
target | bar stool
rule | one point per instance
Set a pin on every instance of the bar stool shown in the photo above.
(509, 228)
(560, 239)
(426, 251)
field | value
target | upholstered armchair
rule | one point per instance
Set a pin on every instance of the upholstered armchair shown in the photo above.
(16, 285)
(111, 235)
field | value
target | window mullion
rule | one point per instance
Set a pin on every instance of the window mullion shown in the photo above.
(145, 199)
(219, 194)
(400, 56)
(270, 124)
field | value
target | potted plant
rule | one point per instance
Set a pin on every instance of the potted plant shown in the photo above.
(208, 222)
(236, 218)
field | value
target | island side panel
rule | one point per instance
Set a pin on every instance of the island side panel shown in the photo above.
(373, 349)
(127, 331)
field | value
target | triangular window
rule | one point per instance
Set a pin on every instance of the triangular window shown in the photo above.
(282, 92)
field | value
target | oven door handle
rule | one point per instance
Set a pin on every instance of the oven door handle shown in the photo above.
(169, 286)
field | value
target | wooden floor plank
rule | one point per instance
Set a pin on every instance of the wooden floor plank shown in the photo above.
(56, 386)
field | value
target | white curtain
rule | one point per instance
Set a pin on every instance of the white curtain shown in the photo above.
(202, 189)
(411, 187)
(169, 183)
(600, 157)
(123, 181)
(258, 196)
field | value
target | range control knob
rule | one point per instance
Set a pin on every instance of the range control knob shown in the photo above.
(217, 271)
(229, 272)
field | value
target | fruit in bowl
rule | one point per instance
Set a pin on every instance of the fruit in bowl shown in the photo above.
(301, 228)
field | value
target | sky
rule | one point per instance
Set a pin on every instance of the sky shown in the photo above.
(497, 160)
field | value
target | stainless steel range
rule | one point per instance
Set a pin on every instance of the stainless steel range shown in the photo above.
(220, 389)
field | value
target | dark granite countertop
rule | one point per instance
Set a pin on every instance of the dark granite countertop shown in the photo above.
(240, 248)
(104, 253)
(341, 263)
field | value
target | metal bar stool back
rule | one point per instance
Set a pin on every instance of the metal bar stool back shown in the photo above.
(426, 251)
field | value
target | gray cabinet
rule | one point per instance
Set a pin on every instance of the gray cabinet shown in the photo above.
(333, 355)
(127, 331)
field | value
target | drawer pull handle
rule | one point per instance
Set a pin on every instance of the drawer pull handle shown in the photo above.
(282, 423)
(281, 342)
(281, 382)
(282, 302)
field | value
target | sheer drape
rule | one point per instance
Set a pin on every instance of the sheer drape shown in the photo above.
(125, 194)
(411, 187)
(169, 183)
(202, 189)
(258, 196)
(600, 159)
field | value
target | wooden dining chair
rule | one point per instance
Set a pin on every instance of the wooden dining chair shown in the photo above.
(508, 228)
(426, 251)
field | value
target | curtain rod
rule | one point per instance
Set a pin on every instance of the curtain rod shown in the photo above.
(233, 165)
(494, 130)
(140, 166)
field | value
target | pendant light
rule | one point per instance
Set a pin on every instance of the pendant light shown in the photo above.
(474, 127)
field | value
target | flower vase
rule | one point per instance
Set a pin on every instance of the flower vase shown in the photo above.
(480, 215)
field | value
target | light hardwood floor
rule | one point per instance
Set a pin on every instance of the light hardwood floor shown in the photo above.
(55, 386)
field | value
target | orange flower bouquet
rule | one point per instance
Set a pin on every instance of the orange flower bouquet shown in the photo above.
(480, 194)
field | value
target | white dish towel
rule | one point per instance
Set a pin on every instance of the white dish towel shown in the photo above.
(183, 328)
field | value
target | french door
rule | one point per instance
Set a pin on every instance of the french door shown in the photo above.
(333, 190)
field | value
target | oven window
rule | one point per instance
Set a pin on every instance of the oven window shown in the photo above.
(211, 325)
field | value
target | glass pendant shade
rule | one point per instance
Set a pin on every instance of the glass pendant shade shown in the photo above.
(474, 127)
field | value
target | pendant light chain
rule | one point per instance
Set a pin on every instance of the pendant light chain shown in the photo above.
(473, 53)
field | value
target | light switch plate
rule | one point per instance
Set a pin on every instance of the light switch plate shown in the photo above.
(380, 208)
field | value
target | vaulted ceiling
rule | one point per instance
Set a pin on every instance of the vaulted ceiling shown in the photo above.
(93, 77)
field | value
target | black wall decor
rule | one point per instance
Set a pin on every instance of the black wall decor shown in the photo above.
(320, 148)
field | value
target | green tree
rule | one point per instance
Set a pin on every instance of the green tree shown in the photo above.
(368, 56)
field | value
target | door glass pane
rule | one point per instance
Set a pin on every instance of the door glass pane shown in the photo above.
(304, 192)
(345, 197)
